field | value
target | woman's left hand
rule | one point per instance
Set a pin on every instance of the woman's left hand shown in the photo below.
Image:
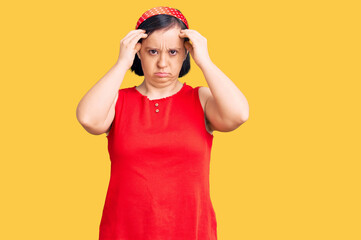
(198, 47)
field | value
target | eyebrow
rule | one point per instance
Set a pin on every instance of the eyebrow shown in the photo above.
(158, 48)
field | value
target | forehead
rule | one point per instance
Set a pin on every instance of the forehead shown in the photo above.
(160, 37)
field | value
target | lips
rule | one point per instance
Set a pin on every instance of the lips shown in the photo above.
(161, 74)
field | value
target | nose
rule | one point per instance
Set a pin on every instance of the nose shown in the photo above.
(162, 60)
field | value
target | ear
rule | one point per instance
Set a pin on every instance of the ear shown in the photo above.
(138, 54)
(186, 55)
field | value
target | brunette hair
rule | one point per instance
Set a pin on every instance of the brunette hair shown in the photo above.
(157, 22)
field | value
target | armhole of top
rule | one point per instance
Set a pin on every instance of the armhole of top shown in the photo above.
(110, 128)
(205, 120)
(117, 109)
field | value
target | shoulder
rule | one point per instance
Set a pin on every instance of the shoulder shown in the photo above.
(123, 92)
(127, 89)
(204, 93)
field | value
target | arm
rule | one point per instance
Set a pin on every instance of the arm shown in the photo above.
(94, 111)
(226, 107)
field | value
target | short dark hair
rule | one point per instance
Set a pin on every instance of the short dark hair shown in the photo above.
(157, 22)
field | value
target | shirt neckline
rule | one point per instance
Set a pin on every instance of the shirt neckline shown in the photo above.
(160, 99)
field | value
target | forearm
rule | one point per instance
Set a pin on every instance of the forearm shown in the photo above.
(231, 103)
(94, 107)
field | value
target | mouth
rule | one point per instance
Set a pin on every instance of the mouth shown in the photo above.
(162, 74)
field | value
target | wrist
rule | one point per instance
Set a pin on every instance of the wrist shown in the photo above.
(206, 64)
(121, 65)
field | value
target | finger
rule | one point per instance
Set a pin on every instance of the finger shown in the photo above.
(183, 34)
(185, 37)
(133, 33)
(137, 47)
(194, 39)
(188, 46)
(136, 38)
(190, 34)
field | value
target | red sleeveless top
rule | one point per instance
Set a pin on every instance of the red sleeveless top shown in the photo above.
(159, 182)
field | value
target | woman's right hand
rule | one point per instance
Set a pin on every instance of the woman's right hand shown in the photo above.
(129, 46)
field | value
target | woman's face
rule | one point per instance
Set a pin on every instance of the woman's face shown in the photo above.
(162, 51)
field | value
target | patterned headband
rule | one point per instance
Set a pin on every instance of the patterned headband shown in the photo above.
(162, 10)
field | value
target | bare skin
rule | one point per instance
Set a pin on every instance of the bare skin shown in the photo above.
(163, 51)
(224, 105)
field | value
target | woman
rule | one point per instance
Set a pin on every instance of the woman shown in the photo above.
(160, 132)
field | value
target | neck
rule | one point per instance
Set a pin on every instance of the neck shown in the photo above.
(159, 90)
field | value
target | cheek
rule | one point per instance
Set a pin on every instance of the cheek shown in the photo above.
(147, 61)
(180, 61)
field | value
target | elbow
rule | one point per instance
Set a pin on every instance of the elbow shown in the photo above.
(93, 128)
(240, 122)
(243, 117)
(89, 125)
(82, 118)
(80, 113)
(234, 122)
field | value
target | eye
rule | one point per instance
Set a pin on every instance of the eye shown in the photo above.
(175, 51)
(151, 51)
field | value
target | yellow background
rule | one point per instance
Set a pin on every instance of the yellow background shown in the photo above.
(292, 171)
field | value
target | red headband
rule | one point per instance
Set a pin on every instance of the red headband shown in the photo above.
(162, 10)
